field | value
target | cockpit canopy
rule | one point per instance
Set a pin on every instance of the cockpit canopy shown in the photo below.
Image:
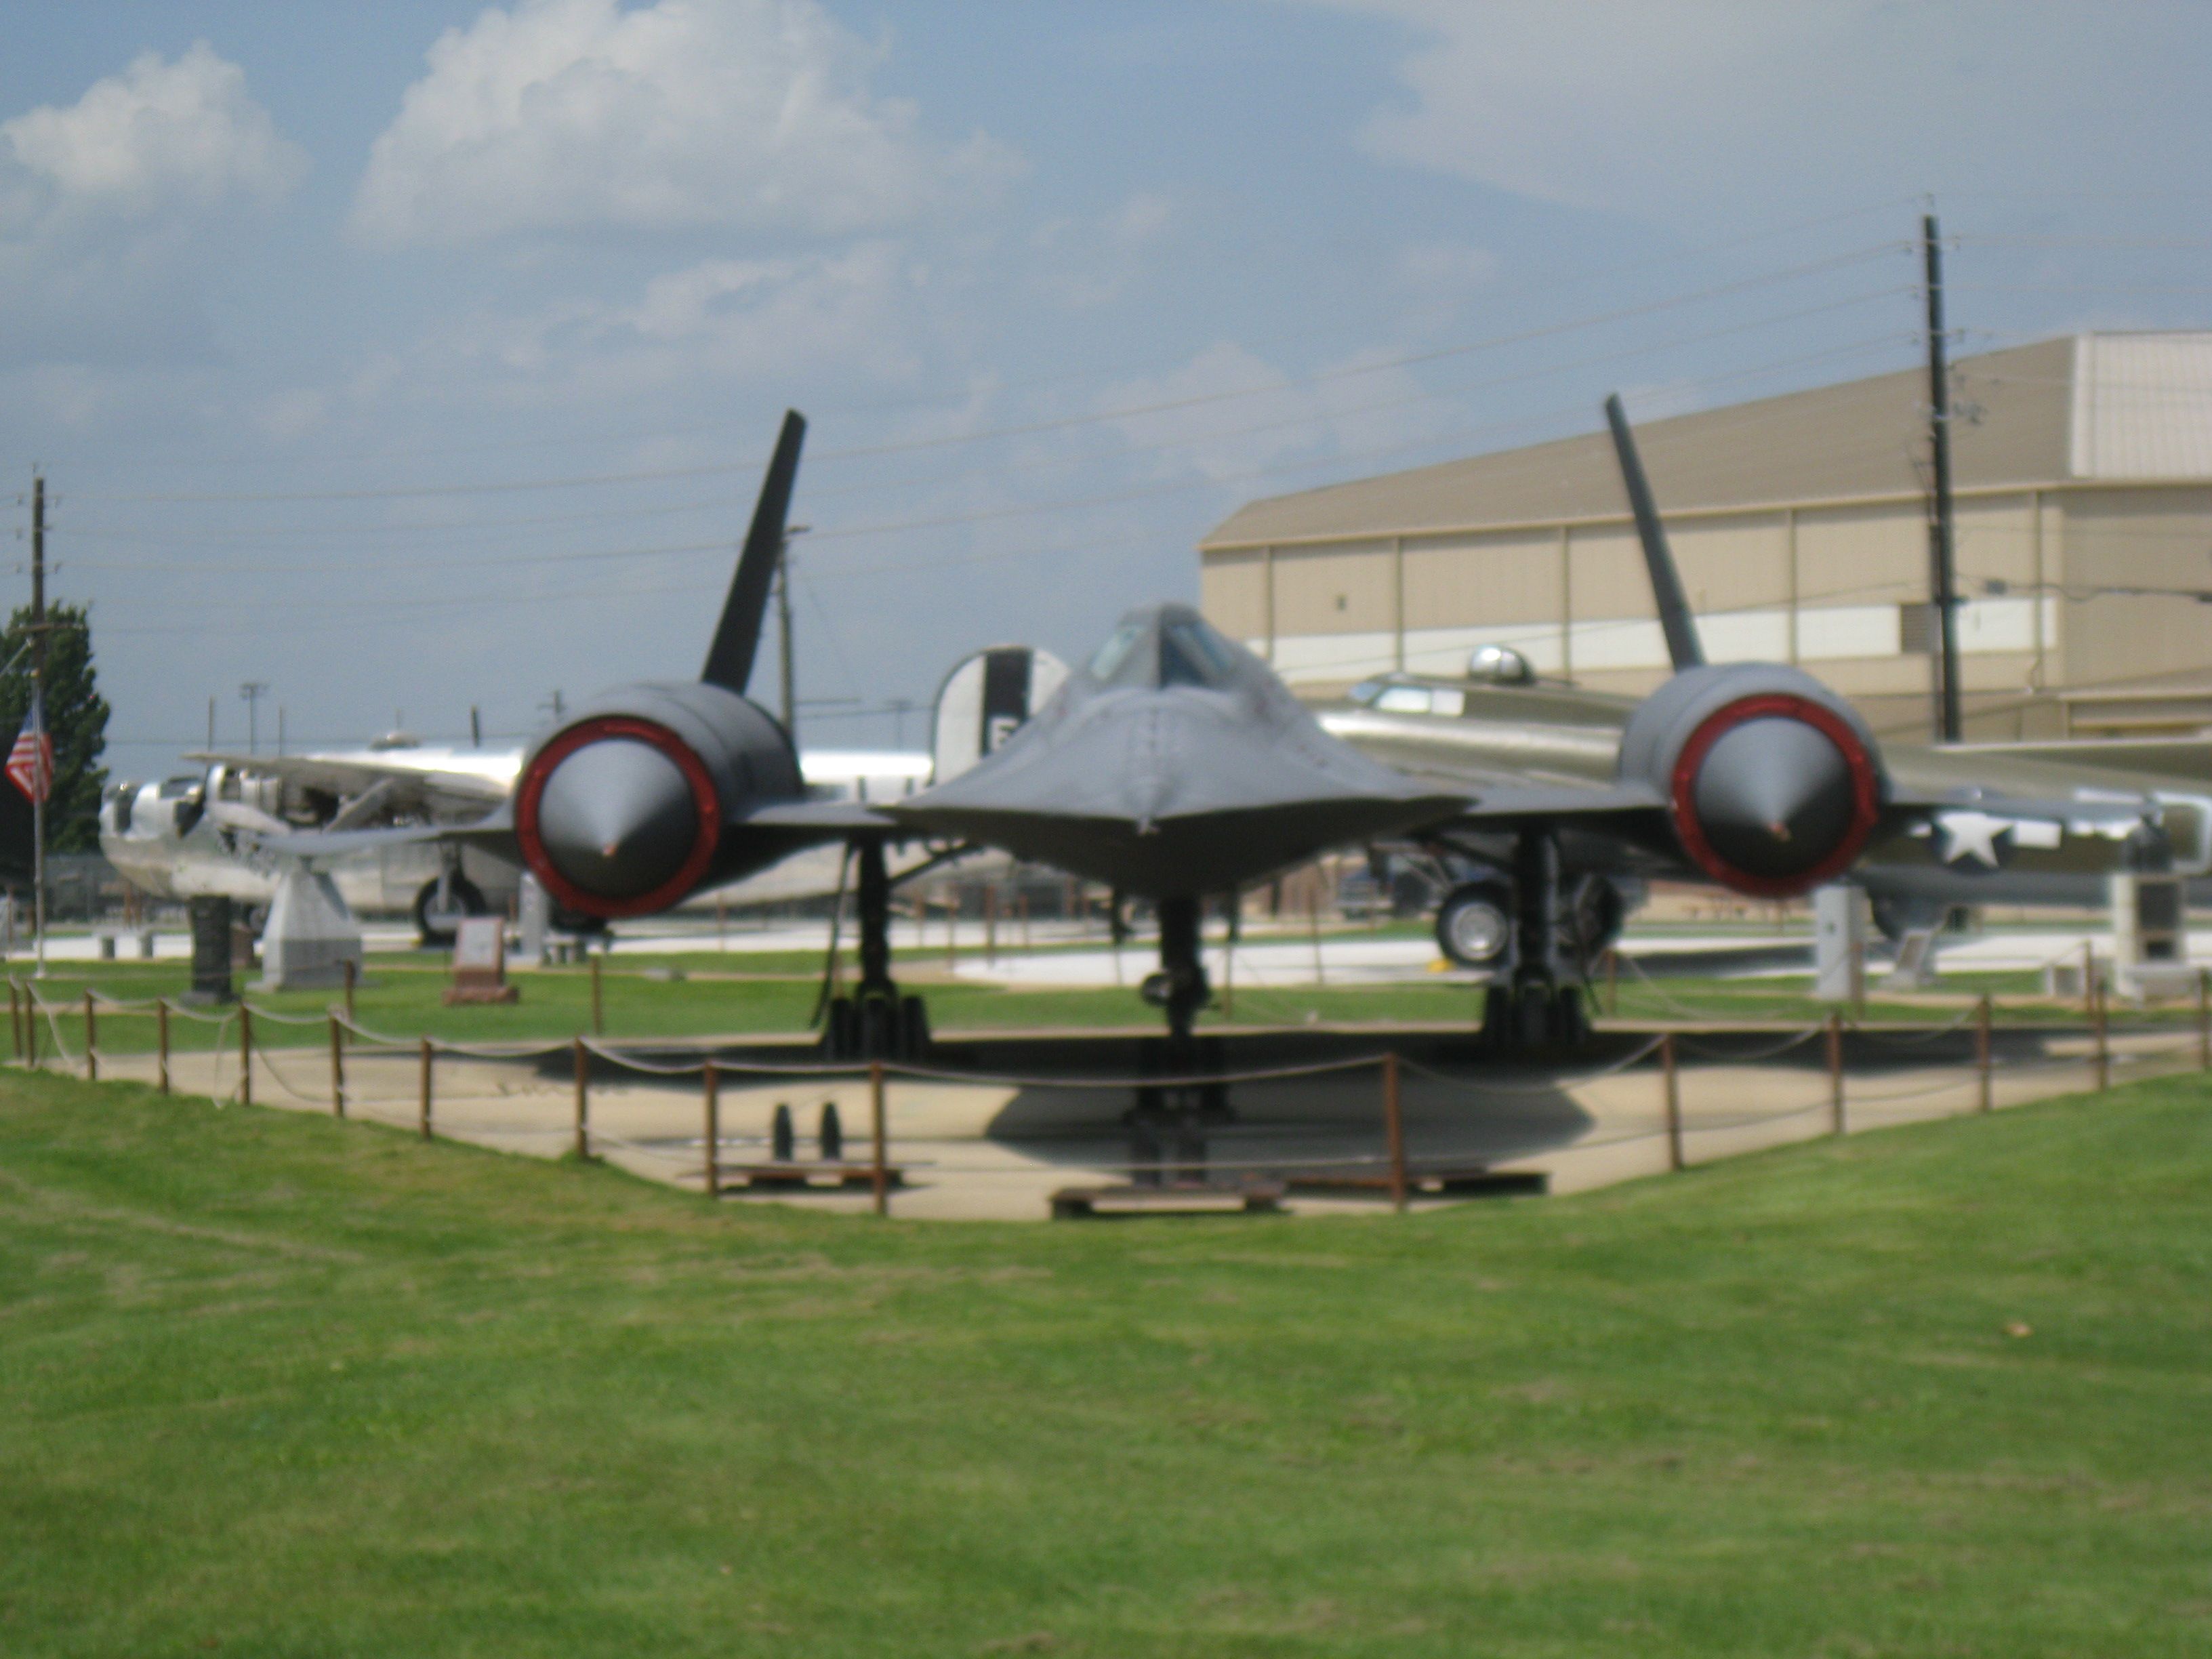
(1152, 649)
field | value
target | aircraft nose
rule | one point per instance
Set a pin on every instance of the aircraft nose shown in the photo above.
(1774, 797)
(617, 817)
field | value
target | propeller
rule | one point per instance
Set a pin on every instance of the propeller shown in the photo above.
(736, 635)
(1674, 618)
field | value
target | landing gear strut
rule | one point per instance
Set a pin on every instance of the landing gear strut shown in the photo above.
(1534, 1006)
(1168, 1125)
(875, 1023)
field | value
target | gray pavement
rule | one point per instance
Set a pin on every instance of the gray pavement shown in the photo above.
(997, 1149)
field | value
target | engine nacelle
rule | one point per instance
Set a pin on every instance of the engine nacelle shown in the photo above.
(1773, 784)
(623, 811)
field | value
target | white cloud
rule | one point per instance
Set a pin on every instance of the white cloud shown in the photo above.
(1445, 273)
(157, 138)
(1085, 263)
(564, 115)
(1228, 414)
(719, 321)
(1714, 107)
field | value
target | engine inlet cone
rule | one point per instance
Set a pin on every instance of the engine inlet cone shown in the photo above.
(1774, 797)
(618, 818)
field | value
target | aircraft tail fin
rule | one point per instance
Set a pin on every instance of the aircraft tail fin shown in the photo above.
(736, 635)
(1674, 618)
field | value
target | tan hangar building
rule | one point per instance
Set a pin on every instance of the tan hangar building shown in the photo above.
(2083, 470)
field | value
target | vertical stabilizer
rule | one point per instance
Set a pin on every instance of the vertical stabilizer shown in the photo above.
(1674, 618)
(737, 636)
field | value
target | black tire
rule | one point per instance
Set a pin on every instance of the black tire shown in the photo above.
(830, 1142)
(1471, 912)
(435, 929)
(914, 1021)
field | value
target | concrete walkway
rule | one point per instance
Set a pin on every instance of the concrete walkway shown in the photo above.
(998, 1149)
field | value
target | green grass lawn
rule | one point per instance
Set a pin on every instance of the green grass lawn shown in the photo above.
(278, 1386)
(732, 996)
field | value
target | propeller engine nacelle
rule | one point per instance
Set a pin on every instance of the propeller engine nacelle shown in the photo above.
(1772, 783)
(625, 809)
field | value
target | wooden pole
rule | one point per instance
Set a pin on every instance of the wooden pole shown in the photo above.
(2203, 1020)
(583, 1100)
(1394, 1127)
(161, 1045)
(712, 1080)
(878, 1173)
(91, 1037)
(423, 1060)
(1675, 1160)
(337, 1065)
(31, 1021)
(1982, 1056)
(598, 1008)
(2103, 1048)
(2089, 978)
(245, 1054)
(991, 923)
(1836, 1123)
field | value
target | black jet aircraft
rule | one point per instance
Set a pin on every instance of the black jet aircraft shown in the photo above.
(1174, 766)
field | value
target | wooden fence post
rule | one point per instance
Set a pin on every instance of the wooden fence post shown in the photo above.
(1393, 1128)
(31, 1021)
(879, 1174)
(1675, 1160)
(712, 1080)
(598, 1008)
(424, 1062)
(1982, 1055)
(2104, 1047)
(91, 1037)
(1836, 1073)
(991, 923)
(337, 1066)
(245, 1054)
(161, 1045)
(583, 1100)
(2203, 1020)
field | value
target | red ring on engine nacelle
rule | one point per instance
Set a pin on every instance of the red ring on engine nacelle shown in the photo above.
(703, 795)
(1866, 792)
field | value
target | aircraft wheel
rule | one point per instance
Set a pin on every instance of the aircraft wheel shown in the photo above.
(438, 920)
(783, 1144)
(840, 1032)
(832, 1139)
(1474, 924)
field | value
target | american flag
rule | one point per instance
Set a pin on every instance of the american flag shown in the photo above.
(30, 761)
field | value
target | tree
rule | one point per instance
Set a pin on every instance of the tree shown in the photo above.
(77, 717)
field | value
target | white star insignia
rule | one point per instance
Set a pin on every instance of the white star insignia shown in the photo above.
(1971, 835)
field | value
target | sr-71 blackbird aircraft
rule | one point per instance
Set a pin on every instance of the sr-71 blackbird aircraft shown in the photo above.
(1175, 766)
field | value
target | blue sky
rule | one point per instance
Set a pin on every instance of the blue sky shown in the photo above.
(417, 357)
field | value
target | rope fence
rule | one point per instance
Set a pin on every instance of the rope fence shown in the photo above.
(357, 1055)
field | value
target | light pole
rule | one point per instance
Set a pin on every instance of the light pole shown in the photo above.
(253, 691)
(783, 628)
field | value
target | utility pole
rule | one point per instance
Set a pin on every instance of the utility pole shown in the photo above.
(790, 686)
(39, 712)
(1941, 543)
(252, 692)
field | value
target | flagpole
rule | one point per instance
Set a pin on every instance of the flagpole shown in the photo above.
(39, 716)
